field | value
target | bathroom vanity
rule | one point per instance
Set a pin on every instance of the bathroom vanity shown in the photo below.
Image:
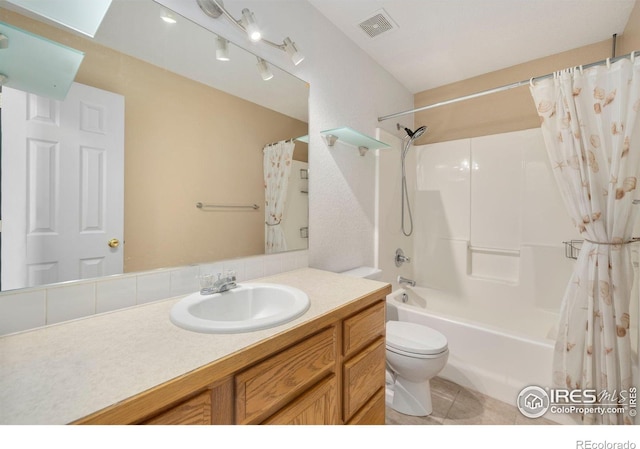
(134, 367)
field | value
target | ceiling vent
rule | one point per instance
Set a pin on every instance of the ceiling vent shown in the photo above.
(379, 22)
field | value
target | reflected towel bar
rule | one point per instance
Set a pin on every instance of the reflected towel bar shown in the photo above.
(231, 206)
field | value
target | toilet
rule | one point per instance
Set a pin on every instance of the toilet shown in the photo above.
(415, 355)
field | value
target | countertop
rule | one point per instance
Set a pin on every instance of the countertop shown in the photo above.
(61, 373)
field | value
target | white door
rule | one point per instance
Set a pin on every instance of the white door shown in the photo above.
(62, 186)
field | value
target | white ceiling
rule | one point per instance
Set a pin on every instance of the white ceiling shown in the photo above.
(438, 42)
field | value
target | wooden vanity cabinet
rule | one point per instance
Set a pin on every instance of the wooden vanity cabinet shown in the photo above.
(196, 410)
(329, 371)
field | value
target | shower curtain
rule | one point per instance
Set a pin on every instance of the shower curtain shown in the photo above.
(589, 120)
(277, 167)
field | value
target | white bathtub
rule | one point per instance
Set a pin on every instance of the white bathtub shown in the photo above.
(496, 352)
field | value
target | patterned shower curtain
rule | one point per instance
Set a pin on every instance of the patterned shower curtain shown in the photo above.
(277, 167)
(589, 120)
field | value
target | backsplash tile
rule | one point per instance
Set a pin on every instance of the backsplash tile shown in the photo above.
(153, 286)
(254, 267)
(21, 311)
(185, 280)
(115, 293)
(237, 265)
(289, 262)
(39, 306)
(273, 265)
(70, 302)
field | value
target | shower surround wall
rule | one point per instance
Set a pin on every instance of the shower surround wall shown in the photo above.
(492, 221)
(488, 221)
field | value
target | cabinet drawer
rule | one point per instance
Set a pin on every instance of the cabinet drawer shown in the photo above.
(363, 376)
(372, 413)
(317, 406)
(269, 384)
(361, 329)
(196, 410)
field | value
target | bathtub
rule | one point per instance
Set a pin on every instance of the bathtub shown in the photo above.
(495, 352)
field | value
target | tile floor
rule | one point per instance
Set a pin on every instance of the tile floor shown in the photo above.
(453, 404)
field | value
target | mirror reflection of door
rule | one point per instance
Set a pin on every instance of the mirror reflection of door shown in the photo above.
(62, 186)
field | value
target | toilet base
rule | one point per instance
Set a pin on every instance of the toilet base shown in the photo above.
(409, 398)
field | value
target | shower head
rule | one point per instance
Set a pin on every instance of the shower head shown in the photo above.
(418, 132)
(413, 135)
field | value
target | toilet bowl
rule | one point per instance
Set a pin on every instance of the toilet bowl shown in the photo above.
(415, 354)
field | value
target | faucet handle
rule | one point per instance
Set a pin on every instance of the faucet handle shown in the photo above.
(401, 258)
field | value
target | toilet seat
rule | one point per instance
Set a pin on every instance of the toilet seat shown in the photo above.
(414, 339)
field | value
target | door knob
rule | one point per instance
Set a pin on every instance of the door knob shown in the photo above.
(114, 243)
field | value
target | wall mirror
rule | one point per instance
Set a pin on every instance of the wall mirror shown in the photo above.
(193, 131)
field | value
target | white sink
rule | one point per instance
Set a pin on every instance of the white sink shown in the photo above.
(248, 307)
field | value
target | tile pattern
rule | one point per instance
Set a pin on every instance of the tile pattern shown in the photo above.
(453, 404)
(29, 308)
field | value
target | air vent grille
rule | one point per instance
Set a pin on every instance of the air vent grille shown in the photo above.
(377, 24)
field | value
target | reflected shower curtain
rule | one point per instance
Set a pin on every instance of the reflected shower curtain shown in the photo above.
(277, 167)
(589, 120)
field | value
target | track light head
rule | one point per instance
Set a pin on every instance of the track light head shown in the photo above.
(292, 50)
(249, 23)
(167, 17)
(264, 69)
(222, 49)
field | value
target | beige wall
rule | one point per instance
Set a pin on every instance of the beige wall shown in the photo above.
(511, 110)
(182, 146)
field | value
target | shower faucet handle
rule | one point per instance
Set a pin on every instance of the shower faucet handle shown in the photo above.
(401, 258)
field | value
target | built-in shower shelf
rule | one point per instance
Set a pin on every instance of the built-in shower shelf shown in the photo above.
(354, 138)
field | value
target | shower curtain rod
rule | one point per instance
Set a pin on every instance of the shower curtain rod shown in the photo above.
(498, 89)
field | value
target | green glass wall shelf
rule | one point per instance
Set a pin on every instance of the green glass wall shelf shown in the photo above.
(354, 138)
(35, 64)
(83, 16)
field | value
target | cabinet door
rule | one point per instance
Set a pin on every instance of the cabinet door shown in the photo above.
(317, 406)
(196, 410)
(364, 375)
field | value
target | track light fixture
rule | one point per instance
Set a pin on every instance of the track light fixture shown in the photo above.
(264, 69)
(167, 17)
(222, 49)
(290, 47)
(247, 23)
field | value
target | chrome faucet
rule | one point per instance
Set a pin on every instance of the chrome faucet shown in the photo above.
(401, 258)
(222, 284)
(403, 280)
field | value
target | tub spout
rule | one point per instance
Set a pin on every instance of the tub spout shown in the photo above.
(403, 280)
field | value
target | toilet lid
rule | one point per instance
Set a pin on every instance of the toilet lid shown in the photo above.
(415, 338)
